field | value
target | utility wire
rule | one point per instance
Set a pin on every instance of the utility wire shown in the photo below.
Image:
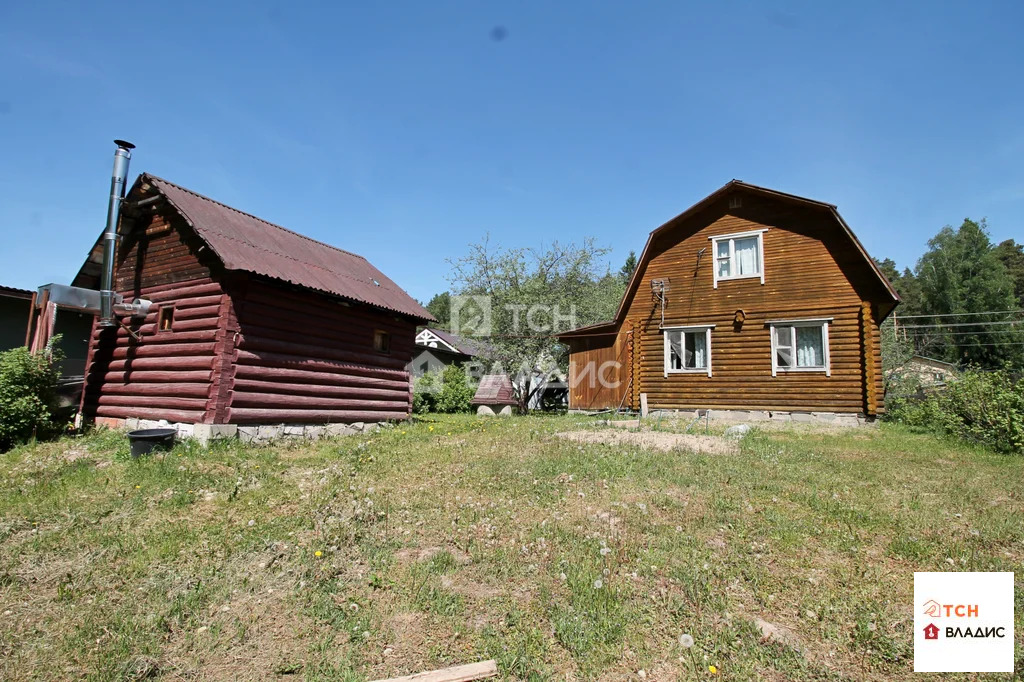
(986, 312)
(942, 335)
(946, 325)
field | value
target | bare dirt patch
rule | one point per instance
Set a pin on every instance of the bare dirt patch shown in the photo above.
(655, 440)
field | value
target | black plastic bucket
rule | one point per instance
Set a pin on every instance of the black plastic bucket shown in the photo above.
(146, 441)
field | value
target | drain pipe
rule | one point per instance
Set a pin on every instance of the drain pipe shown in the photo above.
(117, 189)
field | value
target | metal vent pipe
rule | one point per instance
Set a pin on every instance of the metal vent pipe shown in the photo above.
(117, 189)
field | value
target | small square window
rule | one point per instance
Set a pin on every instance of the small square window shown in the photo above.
(688, 350)
(739, 256)
(165, 320)
(800, 346)
(381, 341)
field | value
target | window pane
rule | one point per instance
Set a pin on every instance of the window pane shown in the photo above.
(696, 350)
(675, 353)
(722, 254)
(810, 349)
(784, 346)
(748, 261)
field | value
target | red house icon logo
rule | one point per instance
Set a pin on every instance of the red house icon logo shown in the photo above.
(931, 631)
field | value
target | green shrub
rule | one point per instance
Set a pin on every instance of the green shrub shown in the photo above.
(448, 391)
(424, 392)
(986, 407)
(456, 391)
(28, 393)
(981, 407)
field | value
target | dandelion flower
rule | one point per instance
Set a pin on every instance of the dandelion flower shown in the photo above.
(431, 428)
(713, 670)
(605, 551)
(686, 640)
(318, 553)
(137, 487)
(872, 627)
(598, 584)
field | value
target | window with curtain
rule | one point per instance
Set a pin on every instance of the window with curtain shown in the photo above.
(800, 346)
(688, 350)
(738, 256)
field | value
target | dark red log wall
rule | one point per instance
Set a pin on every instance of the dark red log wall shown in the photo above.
(305, 358)
(165, 374)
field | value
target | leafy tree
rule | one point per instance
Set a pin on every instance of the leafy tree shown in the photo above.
(531, 295)
(626, 271)
(1012, 256)
(961, 273)
(440, 307)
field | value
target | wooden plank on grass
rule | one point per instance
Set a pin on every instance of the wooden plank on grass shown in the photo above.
(458, 673)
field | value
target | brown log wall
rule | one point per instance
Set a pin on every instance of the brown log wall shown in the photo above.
(811, 271)
(304, 358)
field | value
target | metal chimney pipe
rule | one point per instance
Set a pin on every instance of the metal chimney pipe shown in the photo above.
(117, 188)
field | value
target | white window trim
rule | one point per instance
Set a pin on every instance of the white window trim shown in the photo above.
(706, 328)
(822, 322)
(732, 253)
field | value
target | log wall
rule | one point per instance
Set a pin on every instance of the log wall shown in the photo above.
(303, 358)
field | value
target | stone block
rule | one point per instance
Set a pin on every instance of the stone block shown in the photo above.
(737, 431)
(293, 431)
(314, 432)
(780, 416)
(110, 422)
(358, 426)
(204, 433)
(803, 417)
(249, 434)
(335, 430)
(131, 423)
(484, 411)
(270, 431)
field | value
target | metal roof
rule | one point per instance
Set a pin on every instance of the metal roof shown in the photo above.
(495, 389)
(463, 345)
(243, 242)
(11, 292)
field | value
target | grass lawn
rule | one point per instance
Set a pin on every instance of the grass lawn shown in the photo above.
(457, 539)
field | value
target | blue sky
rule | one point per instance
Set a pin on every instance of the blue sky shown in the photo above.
(403, 131)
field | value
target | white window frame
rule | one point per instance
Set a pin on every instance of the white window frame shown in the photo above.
(731, 238)
(820, 322)
(706, 328)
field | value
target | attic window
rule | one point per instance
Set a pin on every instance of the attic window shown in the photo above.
(165, 320)
(381, 341)
(735, 202)
(738, 256)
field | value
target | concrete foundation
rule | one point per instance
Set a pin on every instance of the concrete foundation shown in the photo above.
(754, 416)
(248, 433)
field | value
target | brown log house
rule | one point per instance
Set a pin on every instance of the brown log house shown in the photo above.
(752, 300)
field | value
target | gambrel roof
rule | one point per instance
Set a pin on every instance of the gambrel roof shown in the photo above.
(887, 298)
